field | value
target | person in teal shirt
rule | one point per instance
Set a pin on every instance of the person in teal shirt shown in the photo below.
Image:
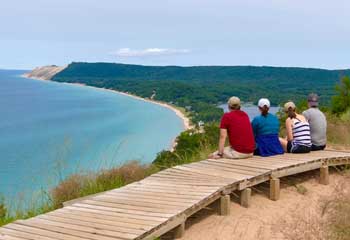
(266, 128)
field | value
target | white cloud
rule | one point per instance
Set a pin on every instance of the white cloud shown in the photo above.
(127, 52)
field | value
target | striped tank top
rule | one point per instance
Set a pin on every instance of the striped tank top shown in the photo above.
(301, 133)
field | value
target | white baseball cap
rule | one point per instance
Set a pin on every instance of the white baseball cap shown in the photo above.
(264, 102)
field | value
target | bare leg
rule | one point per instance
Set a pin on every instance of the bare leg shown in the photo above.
(284, 143)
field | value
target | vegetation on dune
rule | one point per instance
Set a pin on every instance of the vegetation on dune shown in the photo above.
(200, 89)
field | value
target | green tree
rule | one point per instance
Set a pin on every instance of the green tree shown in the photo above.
(341, 102)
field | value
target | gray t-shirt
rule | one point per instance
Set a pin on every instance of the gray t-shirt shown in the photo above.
(318, 126)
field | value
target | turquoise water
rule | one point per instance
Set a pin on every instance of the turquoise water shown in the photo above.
(49, 130)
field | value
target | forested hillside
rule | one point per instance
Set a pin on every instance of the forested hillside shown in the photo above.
(204, 87)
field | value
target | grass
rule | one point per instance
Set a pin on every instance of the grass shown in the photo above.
(330, 221)
(338, 131)
(80, 185)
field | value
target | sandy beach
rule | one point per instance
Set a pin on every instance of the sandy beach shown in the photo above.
(185, 120)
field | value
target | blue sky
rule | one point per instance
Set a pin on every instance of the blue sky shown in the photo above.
(312, 33)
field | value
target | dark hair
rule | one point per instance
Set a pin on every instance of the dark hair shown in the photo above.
(291, 113)
(235, 107)
(264, 110)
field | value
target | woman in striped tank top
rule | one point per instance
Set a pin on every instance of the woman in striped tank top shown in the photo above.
(298, 131)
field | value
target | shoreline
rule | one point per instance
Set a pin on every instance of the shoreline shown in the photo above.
(186, 123)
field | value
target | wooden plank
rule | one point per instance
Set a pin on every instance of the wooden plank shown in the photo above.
(166, 227)
(218, 170)
(115, 211)
(253, 164)
(242, 164)
(120, 221)
(193, 183)
(94, 224)
(169, 191)
(69, 232)
(140, 201)
(141, 204)
(7, 237)
(271, 162)
(122, 217)
(23, 234)
(187, 175)
(127, 211)
(179, 186)
(144, 192)
(294, 170)
(198, 175)
(206, 172)
(153, 196)
(170, 187)
(38, 233)
(238, 167)
(132, 228)
(96, 230)
(230, 169)
(184, 179)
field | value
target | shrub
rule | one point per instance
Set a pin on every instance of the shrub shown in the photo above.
(341, 102)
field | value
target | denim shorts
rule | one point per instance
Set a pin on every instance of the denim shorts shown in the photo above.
(296, 148)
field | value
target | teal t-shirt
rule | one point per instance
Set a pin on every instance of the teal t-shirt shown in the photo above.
(264, 125)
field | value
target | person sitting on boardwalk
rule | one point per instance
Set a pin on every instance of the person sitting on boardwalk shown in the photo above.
(266, 128)
(298, 131)
(236, 125)
(318, 123)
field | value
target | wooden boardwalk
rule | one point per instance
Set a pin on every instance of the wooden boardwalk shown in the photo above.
(162, 202)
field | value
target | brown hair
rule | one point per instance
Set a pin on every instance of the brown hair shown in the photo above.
(235, 107)
(291, 113)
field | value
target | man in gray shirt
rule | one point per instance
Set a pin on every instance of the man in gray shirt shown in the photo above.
(318, 123)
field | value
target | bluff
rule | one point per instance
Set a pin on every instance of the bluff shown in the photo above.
(201, 88)
(45, 72)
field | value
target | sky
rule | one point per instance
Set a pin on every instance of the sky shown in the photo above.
(299, 33)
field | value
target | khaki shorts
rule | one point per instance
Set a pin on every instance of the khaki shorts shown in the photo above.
(231, 153)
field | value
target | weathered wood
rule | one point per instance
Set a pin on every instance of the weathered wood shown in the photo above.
(295, 170)
(324, 175)
(151, 207)
(246, 197)
(160, 230)
(180, 230)
(224, 205)
(274, 189)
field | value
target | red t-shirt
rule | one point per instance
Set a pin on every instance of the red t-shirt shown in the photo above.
(239, 130)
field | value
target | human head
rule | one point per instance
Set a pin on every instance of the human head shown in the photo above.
(264, 106)
(234, 103)
(289, 109)
(312, 100)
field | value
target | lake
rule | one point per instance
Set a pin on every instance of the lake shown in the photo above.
(50, 130)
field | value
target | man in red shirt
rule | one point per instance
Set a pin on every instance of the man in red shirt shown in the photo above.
(236, 125)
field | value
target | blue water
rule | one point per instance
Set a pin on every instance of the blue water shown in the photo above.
(50, 130)
(252, 110)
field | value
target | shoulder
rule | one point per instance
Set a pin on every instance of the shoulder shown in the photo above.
(289, 120)
(307, 112)
(256, 119)
(242, 113)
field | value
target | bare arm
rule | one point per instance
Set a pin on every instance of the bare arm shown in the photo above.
(289, 129)
(223, 135)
